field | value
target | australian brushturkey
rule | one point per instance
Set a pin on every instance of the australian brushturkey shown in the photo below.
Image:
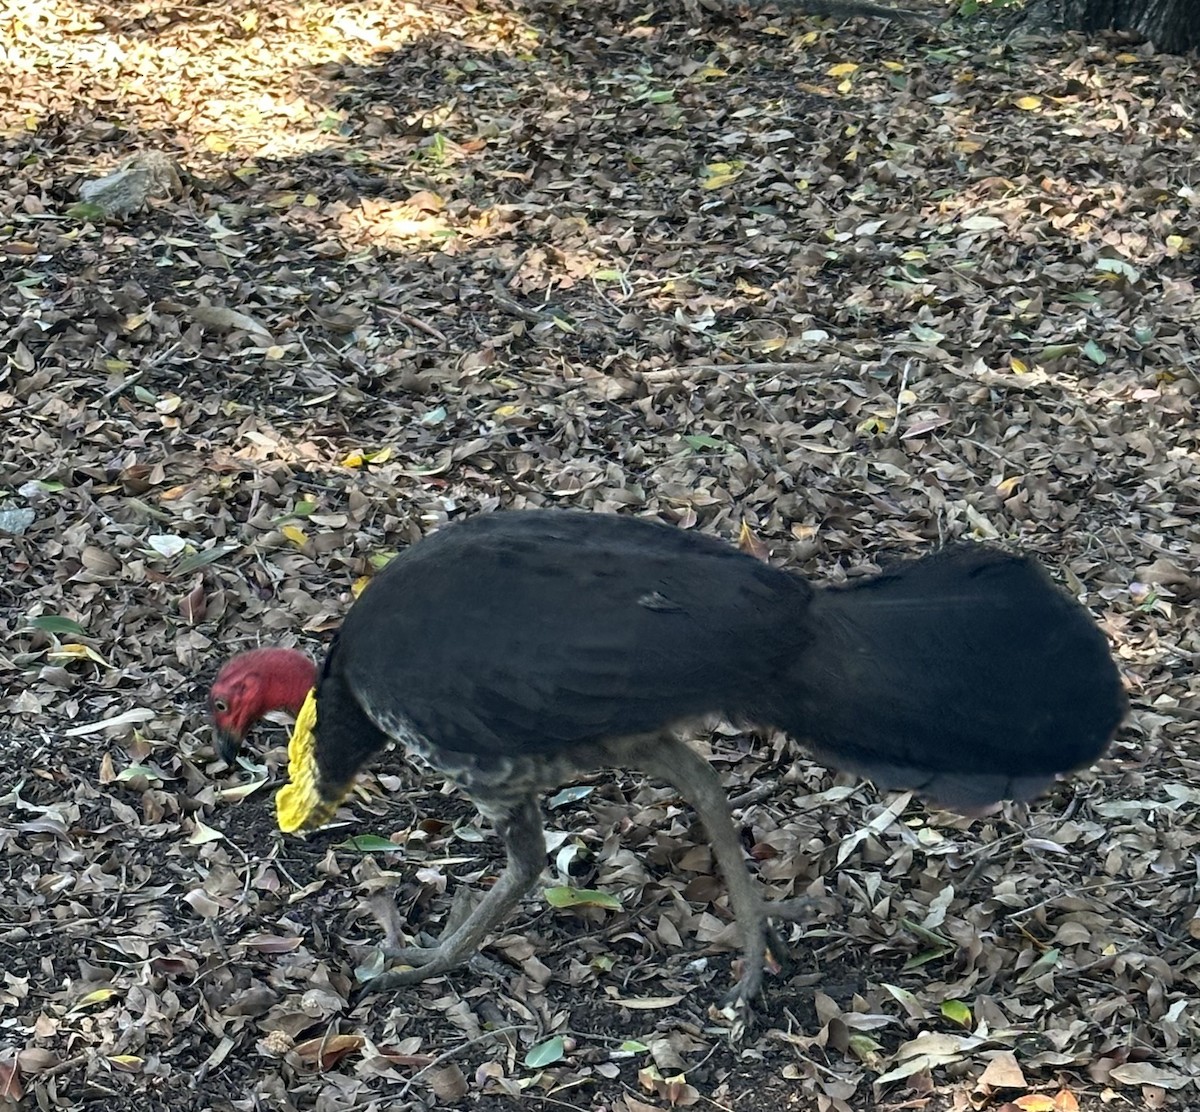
(516, 650)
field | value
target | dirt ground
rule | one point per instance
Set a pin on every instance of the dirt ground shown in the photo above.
(861, 287)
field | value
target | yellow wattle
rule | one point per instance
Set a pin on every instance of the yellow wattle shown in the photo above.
(298, 804)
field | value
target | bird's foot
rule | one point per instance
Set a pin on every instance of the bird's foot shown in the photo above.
(765, 948)
(423, 962)
(408, 975)
(417, 956)
(737, 1006)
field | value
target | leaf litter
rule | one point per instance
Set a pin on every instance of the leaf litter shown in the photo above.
(833, 292)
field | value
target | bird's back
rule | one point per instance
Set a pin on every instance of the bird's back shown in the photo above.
(534, 631)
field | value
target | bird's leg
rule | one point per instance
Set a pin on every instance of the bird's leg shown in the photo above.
(525, 841)
(391, 922)
(675, 762)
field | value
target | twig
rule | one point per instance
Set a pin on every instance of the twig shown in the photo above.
(754, 795)
(418, 324)
(453, 1053)
(689, 370)
(516, 309)
(64, 1067)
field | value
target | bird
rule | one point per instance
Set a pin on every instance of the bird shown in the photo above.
(515, 650)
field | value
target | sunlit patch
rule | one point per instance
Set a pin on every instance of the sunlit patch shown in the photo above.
(298, 804)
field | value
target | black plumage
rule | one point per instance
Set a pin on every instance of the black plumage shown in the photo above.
(515, 649)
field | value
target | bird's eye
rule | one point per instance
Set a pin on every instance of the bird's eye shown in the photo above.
(220, 706)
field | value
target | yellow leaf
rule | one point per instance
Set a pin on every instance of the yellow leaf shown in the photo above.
(1007, 486)
(957, 1012)
(704, 73)
(718, 174)
(1019, 366)
(128, 1062)
(66, 653)
(1127, 59)
(295, 534)
(218, 144)
(359, 585)
(505, 411)
(842, 69)
(354, 459)
(1028, 104)
(96, 996)
(1035, 1102)
(895, 67)
(1178, 243)
(382, 456)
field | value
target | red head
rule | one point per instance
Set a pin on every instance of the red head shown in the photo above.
(253, 684)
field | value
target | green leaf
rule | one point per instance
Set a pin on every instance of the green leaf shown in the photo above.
(926, 935)
(570, 795)
(864, 1048)
(545, 1054)
(52, 623)
(195, 560)
(923, 958)
(1119, 266)
(957, 1012)
(133, 772)
(926, 335)
(303, 509)
(581, 897)
(703, 440)
(1056, 351)
(1044, 964)
(632, 1046)
(1095, 353)
(87, 211)
(368, 843)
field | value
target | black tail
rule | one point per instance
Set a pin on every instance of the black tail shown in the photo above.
(967, 675)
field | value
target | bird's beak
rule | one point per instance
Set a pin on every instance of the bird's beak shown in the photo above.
(228, 746)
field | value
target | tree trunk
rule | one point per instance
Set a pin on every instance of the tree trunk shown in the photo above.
(1172, 25)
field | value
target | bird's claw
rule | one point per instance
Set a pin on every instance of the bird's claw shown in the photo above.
(423, 963)
(737, 1007)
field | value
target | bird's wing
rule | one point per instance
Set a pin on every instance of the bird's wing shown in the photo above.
(546, 630)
